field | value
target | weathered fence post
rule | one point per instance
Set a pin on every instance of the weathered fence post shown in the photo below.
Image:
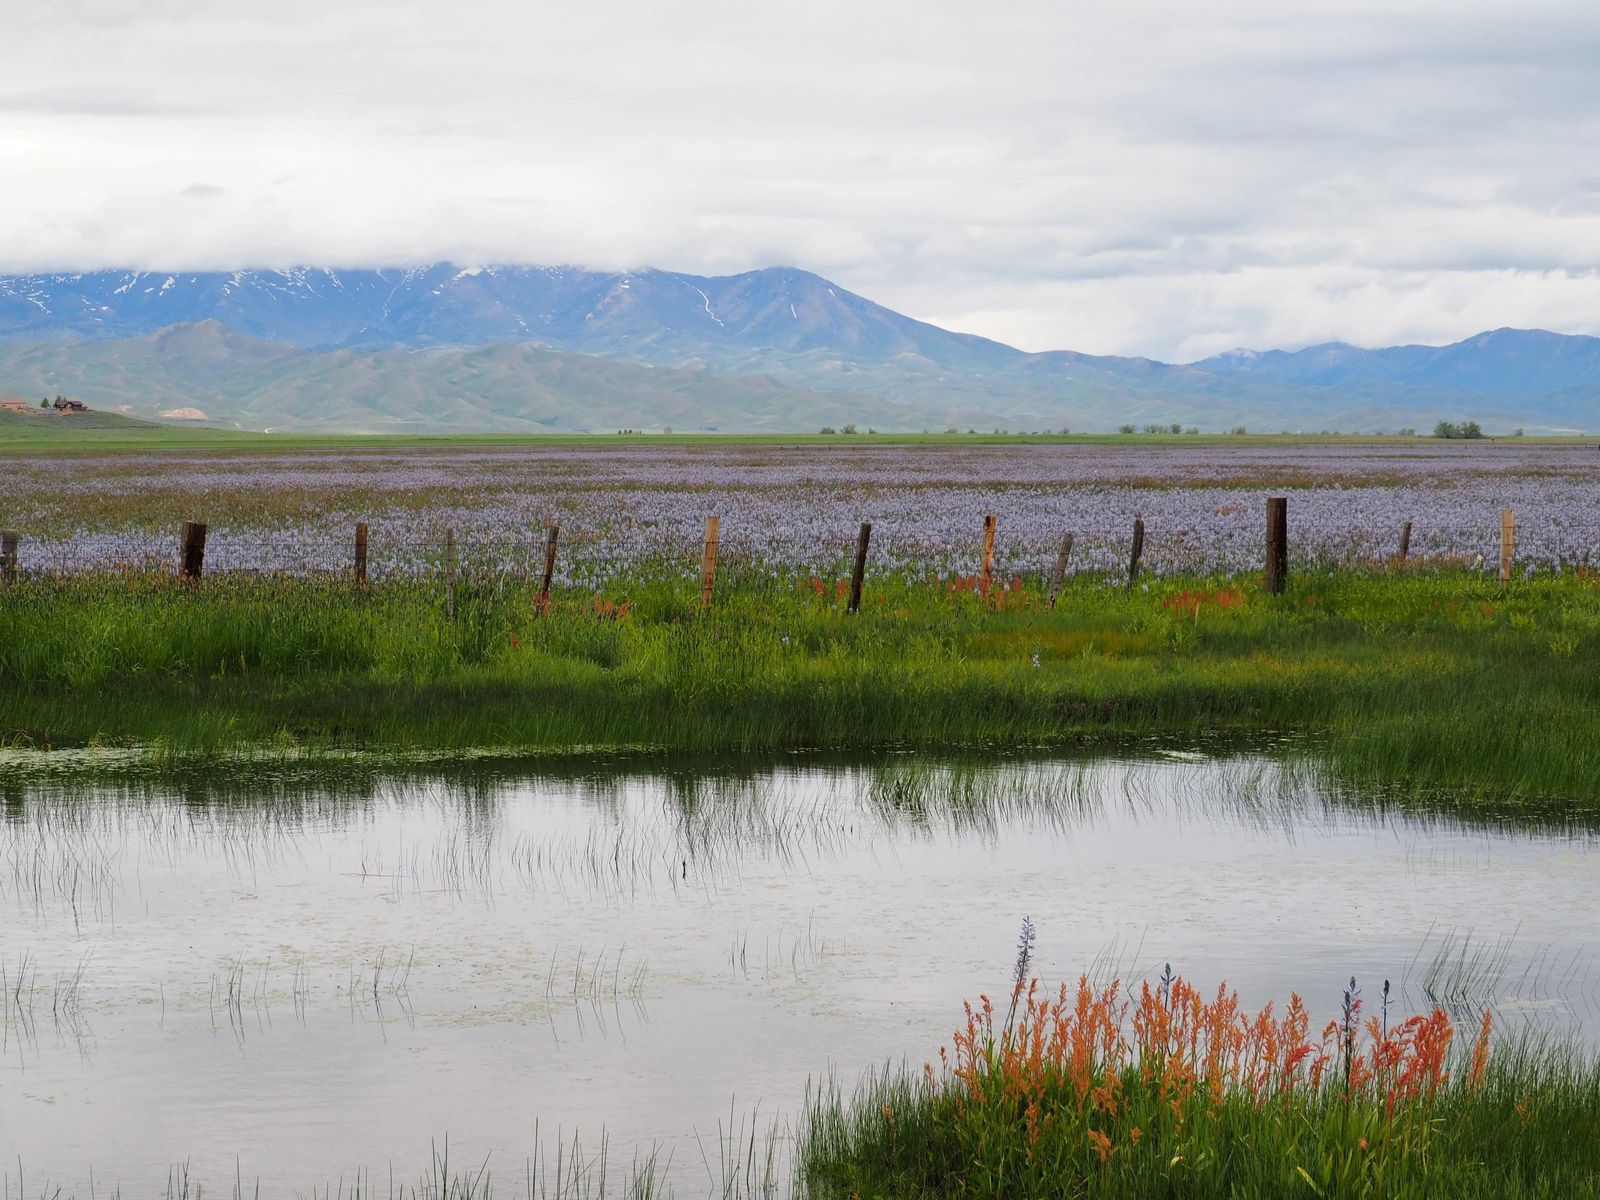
(1508, 544)
(1277, 543)
(1138, 551)
(361, 554)
(8, 555)
(549, 566)
(860, 566)
(1059, 571)
(987, 577)
(450, 573)
(708, 563)
(1405, 543)
(192, 554)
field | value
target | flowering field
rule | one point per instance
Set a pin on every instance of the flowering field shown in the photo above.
(798, 508)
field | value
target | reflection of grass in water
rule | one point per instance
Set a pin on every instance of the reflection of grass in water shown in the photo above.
(634, 832)
(566, 1171)
(1465, 975)
(781, 954)
(22, 999)
(630, 835)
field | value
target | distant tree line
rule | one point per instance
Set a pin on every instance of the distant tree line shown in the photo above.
(1444, 429)
(851, 430)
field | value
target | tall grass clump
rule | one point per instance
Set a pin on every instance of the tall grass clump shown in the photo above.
(1173, 1093)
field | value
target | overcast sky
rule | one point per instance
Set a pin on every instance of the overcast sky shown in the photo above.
(1163, 178)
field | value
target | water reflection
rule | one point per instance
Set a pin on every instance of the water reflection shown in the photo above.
(329, 975)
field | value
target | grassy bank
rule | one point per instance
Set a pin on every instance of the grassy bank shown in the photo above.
(1173, 1094)
(1437, 680)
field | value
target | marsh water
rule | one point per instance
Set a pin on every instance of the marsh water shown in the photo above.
(289, 986)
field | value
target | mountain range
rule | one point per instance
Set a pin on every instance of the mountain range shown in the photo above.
(445, 347)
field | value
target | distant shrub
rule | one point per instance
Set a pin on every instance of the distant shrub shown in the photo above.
(1466, 429)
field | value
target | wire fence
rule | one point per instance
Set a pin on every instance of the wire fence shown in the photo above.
(596, 557)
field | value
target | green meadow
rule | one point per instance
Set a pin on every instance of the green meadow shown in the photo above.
(1429, 681)
(107, 432)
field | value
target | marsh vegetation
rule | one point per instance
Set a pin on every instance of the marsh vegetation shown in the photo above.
(300, 878)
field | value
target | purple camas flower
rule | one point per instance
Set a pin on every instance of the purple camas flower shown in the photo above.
(1019, 972)
(622, 507)
(1349, 1026)
(1351, 1011)
(1025, 943)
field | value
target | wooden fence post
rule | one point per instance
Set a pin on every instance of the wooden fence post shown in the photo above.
(860, 566)
(361, 554)
(1508, 544)
(192, 554)
(1059, 571)
(708, 563)
(549, 566)
(1277, 543)
(986, 579)
(1405, 543)
(1138, 551)
(450, 573)
(8, 555)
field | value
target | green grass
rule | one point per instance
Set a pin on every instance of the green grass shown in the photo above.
(41, 430)
(33, 435)
(1420, 681)
(1093, 1116)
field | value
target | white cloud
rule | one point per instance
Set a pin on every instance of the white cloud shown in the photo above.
(1181, 318)
(1154, 178)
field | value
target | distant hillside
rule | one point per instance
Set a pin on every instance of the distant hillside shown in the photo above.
(238, 381)
(1503, 361)
(14, 425)
(544, 348)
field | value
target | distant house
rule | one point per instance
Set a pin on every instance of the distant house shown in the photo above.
(15, 404)
(63, 405)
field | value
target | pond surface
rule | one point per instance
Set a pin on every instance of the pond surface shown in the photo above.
(303, 986)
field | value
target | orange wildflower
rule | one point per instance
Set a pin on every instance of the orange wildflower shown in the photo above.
(1101, 1145)
(1480, 1053)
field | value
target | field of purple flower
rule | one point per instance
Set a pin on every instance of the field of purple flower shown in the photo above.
(798, 508)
